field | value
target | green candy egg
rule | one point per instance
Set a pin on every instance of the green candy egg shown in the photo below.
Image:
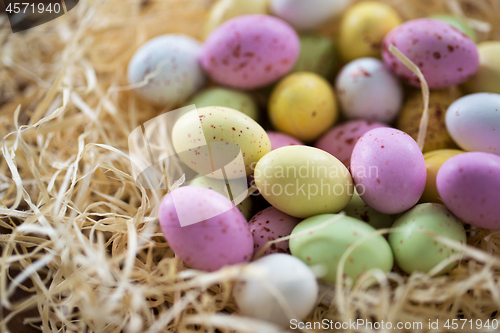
(228, 98)
(318, 54)
(358, 209)
(415, 250)
(458, 23)
(219, 186)
(326, 246)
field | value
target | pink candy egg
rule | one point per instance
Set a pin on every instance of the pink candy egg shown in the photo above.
(270, 224)
(279, 140)
(445, 55)
(341, 139)
(218, 240)
(250, 51)
(389, 170)
(469, 185)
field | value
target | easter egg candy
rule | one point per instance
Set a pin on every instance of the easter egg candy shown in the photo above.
(326, 245)
(413, 244)
(318, 54)
(224, 10)
(307, 15)
(473, 122)
(220, 186)
(250, 51)
(458, 23)
(303, 181)
(303, 105)
(279, 140)
(268, 282)
(368, 90)
(221, 125)
(271, 224)
(169, 65)
(445, 56)
(363, 27)
(433, 162)
(487, 78)
(341, 139)
(196, 230)
(358, 209)
(469, 185)
(437, 136)
(228, 98)
(388, 169)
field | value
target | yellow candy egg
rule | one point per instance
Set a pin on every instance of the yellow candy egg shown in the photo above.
(303, 105)
(363, 27)
(433, 161)
(437, 136)
(487, 77)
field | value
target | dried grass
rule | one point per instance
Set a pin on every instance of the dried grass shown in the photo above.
(81, 246)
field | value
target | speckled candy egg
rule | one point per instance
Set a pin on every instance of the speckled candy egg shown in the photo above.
(473, 122)
(326, 246)
(303, 105)
(303, 181)
(219, 186)
(341, 139)
(218, 240)
(487, 78)
(437, 136)
(363, 27)
(358, 209)
(368, 90)
(279, 140)
(228, 98)
(268, 225)
(250, 51)
(415, 249)
(433, 162)
(388, 169)
(218, 124)
(469, 185)
(318, 54)
(458, 23)
(307, 15)
(445, 55)
(175, 58)
(254, 294)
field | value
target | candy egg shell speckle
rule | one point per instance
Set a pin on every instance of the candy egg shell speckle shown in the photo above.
(250, 51)
(279, 140)
(303, 181)
(473, 122)
(469, 185)
(368, 90)
(457, 22)
(388, 169)
(437, 136)
(283, 274)
(341, 139)
(268, 225)
(416, 250)
(326, 246)
(358, 209)
(307, 15)
(487, 78)
(444, 55)
(222, 240)
(303, 105)
(175, 58)
(318, 54)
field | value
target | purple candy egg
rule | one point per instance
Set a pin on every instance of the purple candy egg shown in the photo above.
(279, 140)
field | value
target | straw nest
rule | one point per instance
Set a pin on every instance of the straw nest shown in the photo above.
(81, 246)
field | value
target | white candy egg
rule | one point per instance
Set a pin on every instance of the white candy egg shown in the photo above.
(368, 90)
(307, 15)
(473, 122)
(171, 61)
(273, 282)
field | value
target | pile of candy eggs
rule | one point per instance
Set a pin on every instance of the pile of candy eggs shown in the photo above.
(333, 155)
